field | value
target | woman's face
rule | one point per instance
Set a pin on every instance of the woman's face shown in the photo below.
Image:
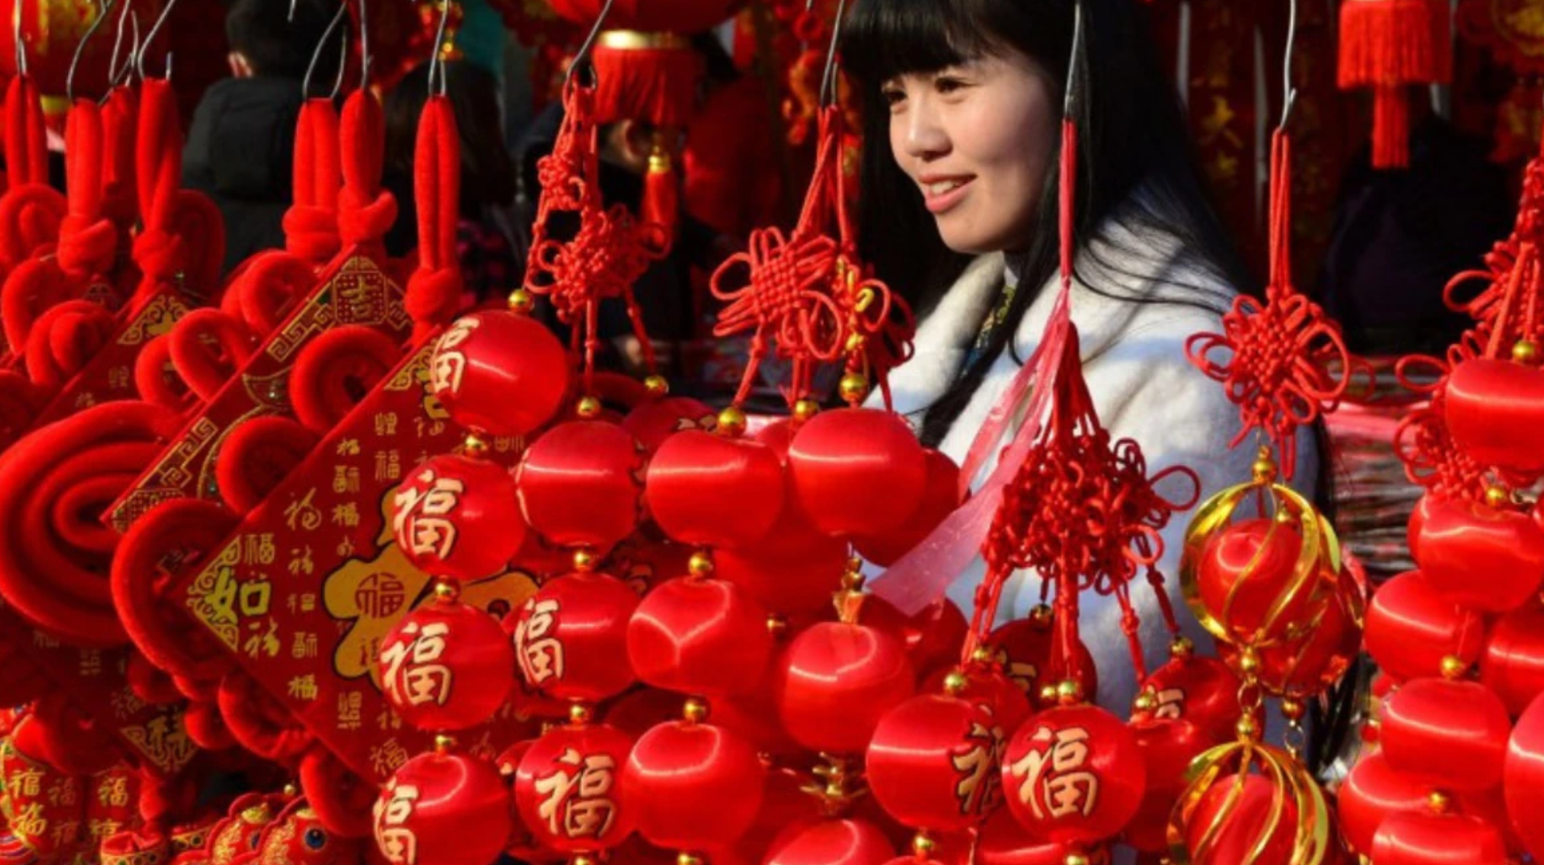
(977, 139)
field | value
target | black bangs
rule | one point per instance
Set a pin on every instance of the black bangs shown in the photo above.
(885, 38)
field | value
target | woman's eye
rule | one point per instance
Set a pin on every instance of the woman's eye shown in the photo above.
(948, 84)
(892, 95)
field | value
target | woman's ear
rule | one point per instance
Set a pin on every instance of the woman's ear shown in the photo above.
(240, 66)
(627, 144)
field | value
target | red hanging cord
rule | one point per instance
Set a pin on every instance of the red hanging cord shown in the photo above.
(158, 249)
(365, 211)
(87, 241)
(434, 289)
(311, 222)
(26, 141)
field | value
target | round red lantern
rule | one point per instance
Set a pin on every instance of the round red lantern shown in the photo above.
(699, 636)
(446, 666)
(692, 786)
(500, 373)
(940, 496)
(1480, 557)
(655, 421)
(930, 763)
(1523, 777)
(567, 791)
(1489, 408)
(456, 516)
(1426, 838)
(712, 490)
(933, 636)
(581, 484)
(1411, 629)
(978, 683)
(1195, 688)
(834, 842)
(836, 680)
(1236, 817)
(1306, 664)
(570, 637)
(1032, 657)
(1513, 661)
(1448, 734)
(857, 471)
(1249, 581)
(1168, 745)
(443, 809)
(1074, 775)
(1371, 792)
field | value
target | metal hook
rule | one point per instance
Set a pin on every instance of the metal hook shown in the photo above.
(21, 51)
(160, 21)
(114, 72)
(106, 9)
(316, 56)
(437, 59)
(1073, 61)
(1289, 97)
(583, 53)
(126, 74)
(364, 43)
(828, 77)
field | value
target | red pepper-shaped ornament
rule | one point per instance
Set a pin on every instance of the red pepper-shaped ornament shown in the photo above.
(1445, 733)
(581, 484)
(500, 373)
(701, 636)
(443, 808)
(567, 788)
(447, 665)
(836, 680)
(932, 763)
(857, 471)
(714, 490)
(570, 637)
(457, 516)
(692, 785)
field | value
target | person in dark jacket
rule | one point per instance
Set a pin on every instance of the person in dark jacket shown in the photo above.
(240, 144)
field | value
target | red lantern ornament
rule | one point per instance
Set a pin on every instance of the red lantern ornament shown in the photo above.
(1461, 539)
(566, 789)
(1002, 841)
(570, 637)
(785, 803)
(443, 809)
(447, 665)
(654, 422)
(1491, 409)
(857, 471)
(753, 716)
(932, 762)
(1074, 775)
(1411, 629)
(940, 496)
(581, 484)
(1425, 838)
(1032, 657)
(978, 683)
(699, 636)
(933, 636)
(1371, 792)
(836, 680)
(713, 490)
(692, 786)
(1448, 734)
(1194, 688)
(1168, 746)
(834, 842)
(457, 516)
(1248, 576)
(1317, 655)
(1242, 819)
(1513, 661)
(1523, 778)
(499, 373)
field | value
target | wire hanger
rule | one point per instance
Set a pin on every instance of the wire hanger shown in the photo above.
(105, 9)
(582, 56)
(160, 21)
(316, 55)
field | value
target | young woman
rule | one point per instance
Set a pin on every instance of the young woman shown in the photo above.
(963, 103)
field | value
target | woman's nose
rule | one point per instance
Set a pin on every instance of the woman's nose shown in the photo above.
(925, 138)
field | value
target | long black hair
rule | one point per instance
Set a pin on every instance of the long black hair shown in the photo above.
(1131, 134)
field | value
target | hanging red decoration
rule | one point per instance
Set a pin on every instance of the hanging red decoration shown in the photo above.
(499, 373)
(1459, 539)
(1411, 629)
(1168, 745)
(1388, 45)
(1032, 655)
(857, 471)
(457, 516)
(1491, 409)
(654, 422)
(1425, 838)
(836, 680)
(1450, 734)
(447, 665)
(834, 842)
(941, 494)
(1074, 775)
(699, 636)
(442, 808)
(1193, 688)
(567, 789)
(570, 637)
(692, 785)
(1242, 820)
(1512, 664)
(1371, 792)
(1309, 662)
(712, 490)
(932, 636)
(1522, 775)
(981, 683)
(932, 762)
(581, 484)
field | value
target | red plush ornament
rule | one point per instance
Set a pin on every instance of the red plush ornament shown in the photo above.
(1491, 408)
(1523, 778)
(499, 372)
(1448, 734)
(699, 636)
(1074, 775)
(457, 516)
(692, 786)
(1513, 662)
(566, 789)
(1248, 577)
(1410, 629)
(571, 637)
(1370, 793)
(857, 472)
(443, 809)
(1168, 745)
(932, 762)
(1197, 689)
(655, 421)
(1461, 540)
(446, 666)
(1425, 838)
(997, 693)
(715, 491)
(836, 680)
(940, 496)
(834, 842)
(1239, 815)
(581, 484)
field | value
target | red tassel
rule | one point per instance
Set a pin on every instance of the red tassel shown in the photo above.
(1390, 128)
(1387, 45)
(647, 77)
(661, 203)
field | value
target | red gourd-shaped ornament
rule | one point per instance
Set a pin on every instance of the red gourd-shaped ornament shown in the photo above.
(567, 787)
(443, 808)
(457, 516)
(447, 665)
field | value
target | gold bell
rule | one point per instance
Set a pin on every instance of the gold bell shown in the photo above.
(854, 387)
(1525, 352)
(521, 301)
(731, 422)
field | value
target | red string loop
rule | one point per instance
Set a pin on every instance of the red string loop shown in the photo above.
(434, 289)
(365, 211)
(311, 222)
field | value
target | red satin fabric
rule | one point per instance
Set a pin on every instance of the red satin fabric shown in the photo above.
(1002, 841)
(1492, 409)
(932, 636)
(1197, 689)
(835, 681)
(653, 421)
(1478, 557)
(571, 637)
(834, 842)
(1423, 838)
(1032, 657)
(1523, 777)
(1410, 628)
(699, 636)
(1243, 572)
(1249, 817)
(457, 516)
(446, 666)
(1000, 695)
(710, 490)
(1036, 763)
(460, 815)
(692, 786)
(1307, 665)
(485, 357)
(1513, 662)
(1168, 745)
(1371, 792)
(567, 789)
(940, 497)
(581, 484)
(1448, 734)
(857, 471)
(929, 764)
